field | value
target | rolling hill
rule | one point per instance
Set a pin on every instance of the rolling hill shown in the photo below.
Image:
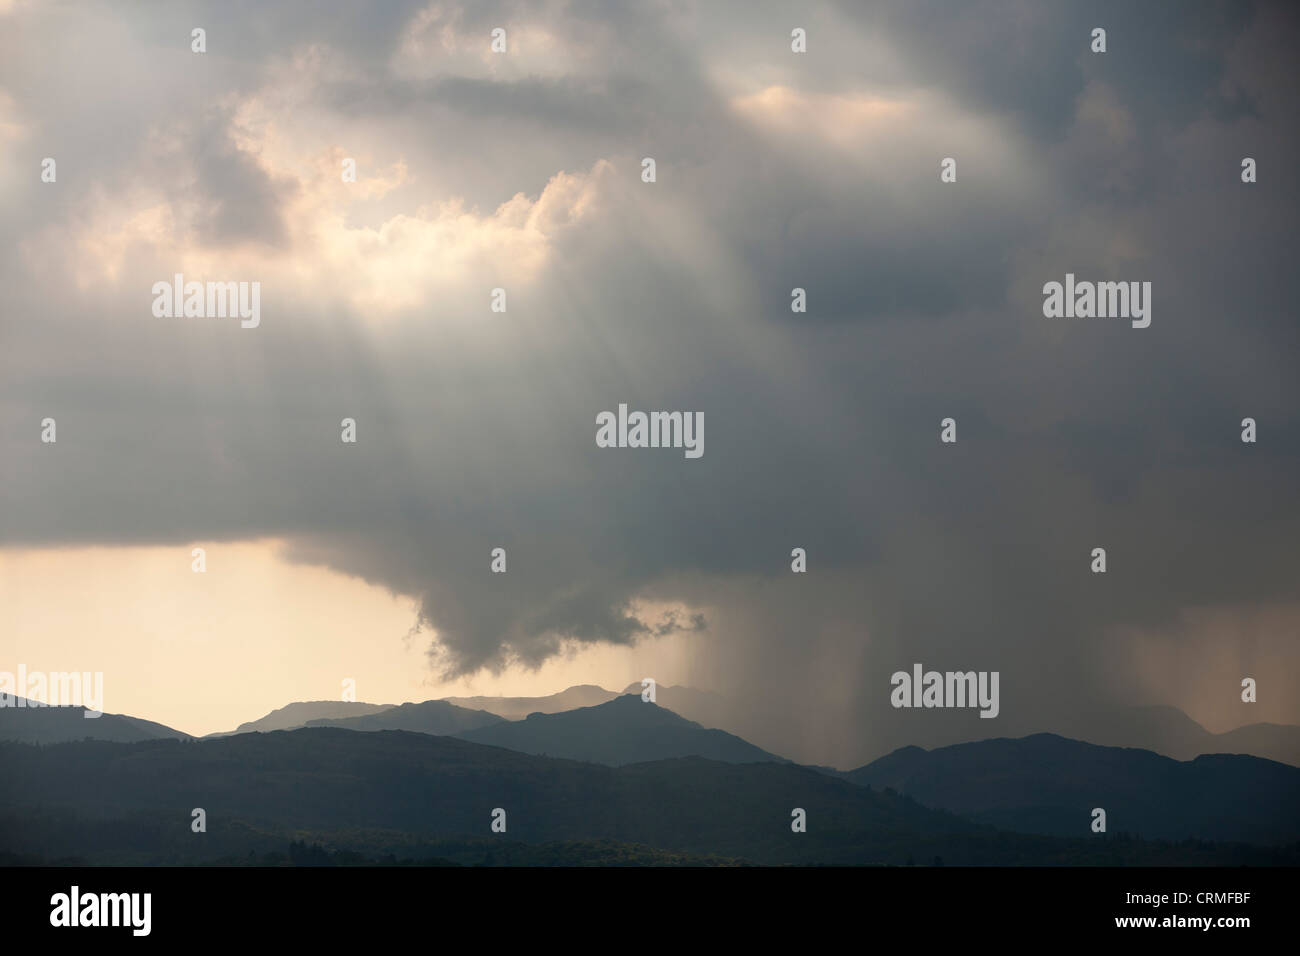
(392, 793)
(1169, 731)
(36, 724)
(1048, 784)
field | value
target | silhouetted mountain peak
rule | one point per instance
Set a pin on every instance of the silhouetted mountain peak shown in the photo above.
(620, 731)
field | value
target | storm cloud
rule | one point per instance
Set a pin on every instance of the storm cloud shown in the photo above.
(774, 171)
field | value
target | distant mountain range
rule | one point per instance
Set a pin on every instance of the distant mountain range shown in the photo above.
(429, 717)
(704, 707)
(300, 713)
(517, 708)
(624, 730)
(623, 779)
(34, 723)
(707, 708)
(398, 795)
(1163, 730)
(1048, 784)
(1168, 731)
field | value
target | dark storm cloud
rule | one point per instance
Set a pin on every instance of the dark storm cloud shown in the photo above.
(238, 201)
(1033, 59)
(821, 428)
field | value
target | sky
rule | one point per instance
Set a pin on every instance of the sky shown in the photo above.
(476, 429)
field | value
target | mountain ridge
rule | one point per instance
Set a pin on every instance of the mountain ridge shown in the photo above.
(384, 793)
(37, 723)
(621, 731)
(1048, 784)
(437, 717)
